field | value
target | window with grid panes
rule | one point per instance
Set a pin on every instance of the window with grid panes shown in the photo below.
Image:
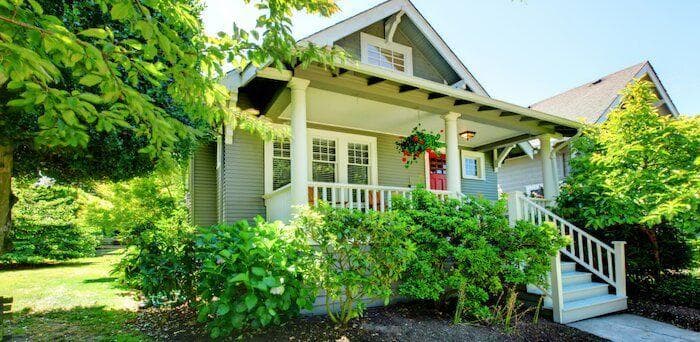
(358, 163)
(323, 164)
(385, 58)
(281, 163)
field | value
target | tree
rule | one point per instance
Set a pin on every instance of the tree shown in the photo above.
(636, 169)
(73, 85)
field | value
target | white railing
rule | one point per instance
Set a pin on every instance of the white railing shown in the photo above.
(359, 196)
(608, 263)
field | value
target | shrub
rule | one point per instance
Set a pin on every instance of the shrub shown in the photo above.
(160, 261)
(45, 227)
(466, 249)
(360, 255)
(252, 275)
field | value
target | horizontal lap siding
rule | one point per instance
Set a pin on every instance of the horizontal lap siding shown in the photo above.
(390, 167)
(488, 187)
(517, 173)
(244, 178)
(202, 187)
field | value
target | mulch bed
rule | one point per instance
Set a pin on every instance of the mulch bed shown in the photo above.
(680, 316)
(400, 322)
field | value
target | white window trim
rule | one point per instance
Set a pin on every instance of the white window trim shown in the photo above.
(342, 140)
(480, 161)
(367, 39)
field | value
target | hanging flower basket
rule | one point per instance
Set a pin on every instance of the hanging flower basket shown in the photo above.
(417, 143)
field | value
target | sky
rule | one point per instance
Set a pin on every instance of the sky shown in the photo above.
(526, 51)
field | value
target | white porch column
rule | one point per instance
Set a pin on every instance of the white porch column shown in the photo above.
(454, 175)
(299, 156)
(550, 186)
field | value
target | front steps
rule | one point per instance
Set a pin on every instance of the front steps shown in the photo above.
(583, 297)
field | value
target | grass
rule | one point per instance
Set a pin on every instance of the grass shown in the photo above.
(75, 300)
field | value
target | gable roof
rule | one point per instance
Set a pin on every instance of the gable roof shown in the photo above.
(329, 35)
(593, 100)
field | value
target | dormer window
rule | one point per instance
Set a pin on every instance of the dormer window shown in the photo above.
(393, 56)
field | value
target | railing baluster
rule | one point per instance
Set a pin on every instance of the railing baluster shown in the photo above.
(610, 264)
(381, 199)
(315, 197)
(342, 197)
(600, 258)
(333, 196)
(590, 251)
(580, 245)
(350, 198)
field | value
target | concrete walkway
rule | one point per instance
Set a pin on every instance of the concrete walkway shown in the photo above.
(627, 327)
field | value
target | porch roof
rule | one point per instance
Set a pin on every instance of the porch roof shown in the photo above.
(375, 83)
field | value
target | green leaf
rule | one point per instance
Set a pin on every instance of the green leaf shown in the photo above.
(94, 33)
(90, 80)
(238, 278)
(250, 301)
(258, 271)
(121, 10)
(222, 310)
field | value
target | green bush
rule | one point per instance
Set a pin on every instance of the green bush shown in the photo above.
(252, 276)
(45, 227)
(360, 255)
(160, 261)
(466, 249)
(676, 289)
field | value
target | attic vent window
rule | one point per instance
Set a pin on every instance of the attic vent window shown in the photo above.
(393, 56)
(598, 81)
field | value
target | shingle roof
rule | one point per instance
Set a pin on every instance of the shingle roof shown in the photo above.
(590, 100)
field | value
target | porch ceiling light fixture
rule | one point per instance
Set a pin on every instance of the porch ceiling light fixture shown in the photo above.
(467, 135)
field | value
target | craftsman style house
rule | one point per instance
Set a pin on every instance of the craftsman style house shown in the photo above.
(344, 125)
(589, 103)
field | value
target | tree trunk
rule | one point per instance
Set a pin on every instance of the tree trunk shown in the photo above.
(651, 235)
(7, 199)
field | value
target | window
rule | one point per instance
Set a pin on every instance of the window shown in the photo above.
(281, 163)
(358, 163)
(535, 190)
(389, 55)
(385, 58)
(324, 159)
(472, 165)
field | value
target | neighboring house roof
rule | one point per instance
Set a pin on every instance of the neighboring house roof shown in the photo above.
(593, 100)
(327, 36)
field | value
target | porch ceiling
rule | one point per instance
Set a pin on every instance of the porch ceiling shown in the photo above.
(374, 83)
(342, 110)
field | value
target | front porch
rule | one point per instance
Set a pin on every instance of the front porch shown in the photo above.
(365, 108)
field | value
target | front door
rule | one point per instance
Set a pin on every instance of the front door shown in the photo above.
(438, 171)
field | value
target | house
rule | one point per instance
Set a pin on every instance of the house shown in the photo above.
(344, 124)
(590, 102)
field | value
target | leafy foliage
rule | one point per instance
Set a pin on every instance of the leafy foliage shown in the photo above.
(117, 208)
(160, 261)
(152, 44)
(252, 276)
(637, 170)
(465, 248)
(360, 255)
(46, 227)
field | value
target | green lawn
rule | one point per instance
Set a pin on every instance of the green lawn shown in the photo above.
(76, 300)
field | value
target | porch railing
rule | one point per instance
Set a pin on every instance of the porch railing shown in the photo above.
(359, 196)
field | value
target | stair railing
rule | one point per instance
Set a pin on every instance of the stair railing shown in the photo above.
(608, 263)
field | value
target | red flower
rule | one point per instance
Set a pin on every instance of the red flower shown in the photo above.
(403, 159)
(415, 138)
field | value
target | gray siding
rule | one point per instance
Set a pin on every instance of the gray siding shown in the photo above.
(202, 186)
(244, 181)
(390, 167)
(488, 187)
(427, 61)
(517, 173)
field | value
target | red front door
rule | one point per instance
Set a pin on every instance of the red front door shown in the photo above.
(438, 171)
